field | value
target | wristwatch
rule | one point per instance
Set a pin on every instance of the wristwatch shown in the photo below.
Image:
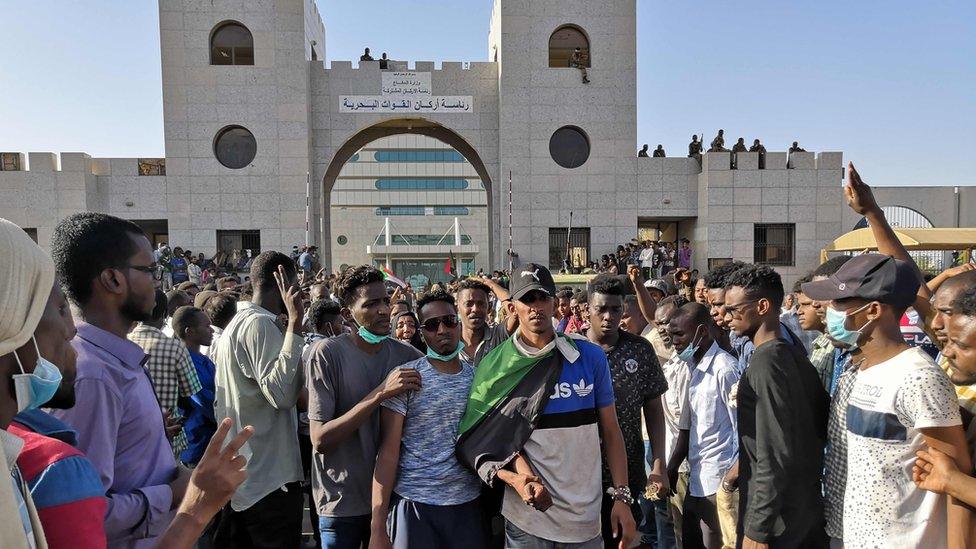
(621, 494)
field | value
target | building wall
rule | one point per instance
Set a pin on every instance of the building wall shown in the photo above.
(269, 98)
(535, 100)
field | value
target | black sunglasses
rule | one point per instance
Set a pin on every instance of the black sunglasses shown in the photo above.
(432, 324)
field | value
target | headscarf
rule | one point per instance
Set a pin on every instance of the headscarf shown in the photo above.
(26, 279)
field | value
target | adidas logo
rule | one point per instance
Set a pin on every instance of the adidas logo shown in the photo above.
(582, 389)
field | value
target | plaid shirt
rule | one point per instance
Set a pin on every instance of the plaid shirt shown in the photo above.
(171, 369)
(835, 459)
(822, 358)
(965, 393)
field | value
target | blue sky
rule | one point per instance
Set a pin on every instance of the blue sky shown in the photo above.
(892, 84)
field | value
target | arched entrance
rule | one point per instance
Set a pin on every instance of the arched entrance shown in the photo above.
(406, 125)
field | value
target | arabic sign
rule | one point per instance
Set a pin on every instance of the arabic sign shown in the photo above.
(379, 103)
(406, 84)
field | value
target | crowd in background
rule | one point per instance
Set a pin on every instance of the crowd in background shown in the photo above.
(653, 406)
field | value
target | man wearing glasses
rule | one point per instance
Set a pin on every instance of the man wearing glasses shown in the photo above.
(106, 266)
(782, 422)
(431, 500)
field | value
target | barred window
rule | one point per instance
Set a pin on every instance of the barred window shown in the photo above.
(775, 244)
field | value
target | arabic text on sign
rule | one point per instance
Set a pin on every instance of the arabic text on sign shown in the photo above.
(379, 103)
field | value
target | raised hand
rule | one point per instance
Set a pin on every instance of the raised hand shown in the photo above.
(858, 193)
(218, 474)
(292, 298)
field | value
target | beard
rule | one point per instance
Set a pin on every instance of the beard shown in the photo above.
(131, 311)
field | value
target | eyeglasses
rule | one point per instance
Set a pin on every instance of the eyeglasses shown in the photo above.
(150, 270)
(433, 324)
(736, 310)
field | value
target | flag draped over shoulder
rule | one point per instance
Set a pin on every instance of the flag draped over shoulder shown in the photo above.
(508, 394)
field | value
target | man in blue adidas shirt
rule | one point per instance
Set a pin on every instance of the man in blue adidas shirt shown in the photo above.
(563, 452)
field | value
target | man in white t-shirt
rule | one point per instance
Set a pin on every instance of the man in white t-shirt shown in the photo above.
(901, 403)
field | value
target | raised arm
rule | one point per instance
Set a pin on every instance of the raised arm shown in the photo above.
(861, 200)
(647, 304)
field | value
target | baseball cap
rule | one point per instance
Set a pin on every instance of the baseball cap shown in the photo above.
(874, 277)
(658, 284)
(531, 276)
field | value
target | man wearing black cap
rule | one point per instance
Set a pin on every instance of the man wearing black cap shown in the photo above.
(901, 403)
(541, 407)
(782, 422)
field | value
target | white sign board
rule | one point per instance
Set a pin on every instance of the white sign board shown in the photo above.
(406, 91)
(406, 84)
(380, 103)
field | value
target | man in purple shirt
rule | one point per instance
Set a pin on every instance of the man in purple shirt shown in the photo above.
(684, 254)
(106, 266)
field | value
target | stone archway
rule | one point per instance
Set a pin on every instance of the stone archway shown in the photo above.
(406, 125)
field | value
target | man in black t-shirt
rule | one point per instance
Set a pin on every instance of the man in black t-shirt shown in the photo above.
(782, 422)
(638, 382)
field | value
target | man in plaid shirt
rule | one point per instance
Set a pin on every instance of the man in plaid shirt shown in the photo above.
(170, 368)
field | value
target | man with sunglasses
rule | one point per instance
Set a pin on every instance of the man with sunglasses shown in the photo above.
(106, 266)
(548, 453)
(430, 499)
(901, 403)
(782, 422)
(348, 377)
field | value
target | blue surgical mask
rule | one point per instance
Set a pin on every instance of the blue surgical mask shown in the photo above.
(370, 337)
(431, 353)
(691, 349)
(837, 327)
(33, 390)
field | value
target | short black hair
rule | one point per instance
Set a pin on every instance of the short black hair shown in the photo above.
(472, 284)
(322, 311)
(159, 309)
(185, 317)
(85, 244)
(224, 282)
(675, 300)
(354, 277)
(431, 297)
(696, 312)
(803, 280)
(831, 266)
(265, 266)
(716, 279)
(965, 304)
(564, 293)
(606, 284)
(580, 296)
(759, 281)
(176, 299)
(187, 285)
(221, 308)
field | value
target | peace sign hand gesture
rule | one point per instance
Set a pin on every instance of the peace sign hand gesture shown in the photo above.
(291, 295)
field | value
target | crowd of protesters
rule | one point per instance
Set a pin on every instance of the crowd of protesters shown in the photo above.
(654, 406)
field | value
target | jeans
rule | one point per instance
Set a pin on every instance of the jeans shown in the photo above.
(413, 524)
(515, 538)
(344, 532)
(664, 525)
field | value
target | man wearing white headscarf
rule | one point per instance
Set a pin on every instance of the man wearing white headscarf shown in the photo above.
(26, 279)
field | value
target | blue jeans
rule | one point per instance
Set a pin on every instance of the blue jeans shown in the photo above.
(344, 532)
(665, 527)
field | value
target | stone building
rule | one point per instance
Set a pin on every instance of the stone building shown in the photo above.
(254, 121)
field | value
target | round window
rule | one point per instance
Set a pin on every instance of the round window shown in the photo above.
(235, 147)
(342, 240)
(569, 147)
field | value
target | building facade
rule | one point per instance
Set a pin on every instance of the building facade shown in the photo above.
(259, 134)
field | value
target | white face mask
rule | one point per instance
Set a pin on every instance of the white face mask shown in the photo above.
(36, 388)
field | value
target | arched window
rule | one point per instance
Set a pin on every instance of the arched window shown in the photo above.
(231, 44)
(564, 42)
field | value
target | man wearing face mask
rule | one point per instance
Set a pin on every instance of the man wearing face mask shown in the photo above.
(348, 377)
(901, 403)
(419, 487)
(106, 267)
(57, 495)
(708, 429)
